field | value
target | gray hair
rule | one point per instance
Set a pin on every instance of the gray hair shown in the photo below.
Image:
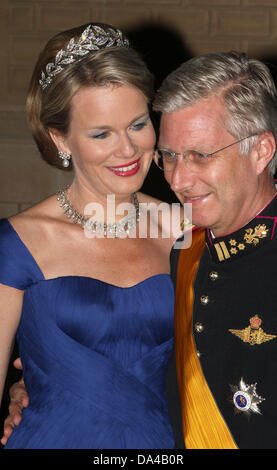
(245, 86)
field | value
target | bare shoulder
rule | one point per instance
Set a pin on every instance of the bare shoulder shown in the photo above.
(44, 208)
(37, 219)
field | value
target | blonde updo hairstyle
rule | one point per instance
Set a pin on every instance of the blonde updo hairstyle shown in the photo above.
(49, 108)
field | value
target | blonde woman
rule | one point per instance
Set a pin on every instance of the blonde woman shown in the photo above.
(92, 304)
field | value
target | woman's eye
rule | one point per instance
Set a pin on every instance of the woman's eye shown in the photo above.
(139, 126)
(100, 135)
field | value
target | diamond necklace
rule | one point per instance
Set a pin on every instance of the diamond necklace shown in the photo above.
(112, 230)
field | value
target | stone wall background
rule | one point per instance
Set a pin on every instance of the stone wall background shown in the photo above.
(165, 31)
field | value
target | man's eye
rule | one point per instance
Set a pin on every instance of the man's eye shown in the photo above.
(201, 156)
(168, 155)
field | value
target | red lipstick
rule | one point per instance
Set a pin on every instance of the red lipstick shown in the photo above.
(128, 169)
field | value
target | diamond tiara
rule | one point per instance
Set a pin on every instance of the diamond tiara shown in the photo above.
(93, 38)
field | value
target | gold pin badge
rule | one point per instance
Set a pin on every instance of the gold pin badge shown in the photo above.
(254, 235)
(186, 225)
(253, 334)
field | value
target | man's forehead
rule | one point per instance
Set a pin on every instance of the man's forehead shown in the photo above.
(204, 118)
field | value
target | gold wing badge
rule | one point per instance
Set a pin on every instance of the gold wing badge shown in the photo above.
(253, 334)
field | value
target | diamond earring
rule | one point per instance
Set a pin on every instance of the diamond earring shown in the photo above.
(65, 158)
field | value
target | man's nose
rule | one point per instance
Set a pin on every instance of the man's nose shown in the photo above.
(181, 178)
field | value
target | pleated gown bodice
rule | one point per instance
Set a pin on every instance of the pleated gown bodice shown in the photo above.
(94, 357)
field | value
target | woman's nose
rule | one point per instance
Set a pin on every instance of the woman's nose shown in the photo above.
(126, 146)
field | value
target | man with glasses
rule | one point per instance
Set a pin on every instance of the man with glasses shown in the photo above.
(218, 153)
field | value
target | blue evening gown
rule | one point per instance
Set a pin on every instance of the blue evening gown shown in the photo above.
(94, 357)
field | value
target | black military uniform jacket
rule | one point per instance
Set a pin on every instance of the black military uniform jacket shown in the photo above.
(235, 328)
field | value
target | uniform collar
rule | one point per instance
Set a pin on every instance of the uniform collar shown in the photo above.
(248, 239)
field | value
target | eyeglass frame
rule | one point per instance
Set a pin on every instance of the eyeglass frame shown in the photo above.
(175, 154)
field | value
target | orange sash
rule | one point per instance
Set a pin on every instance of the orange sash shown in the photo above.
(203, 425)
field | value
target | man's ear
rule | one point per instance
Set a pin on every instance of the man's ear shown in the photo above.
(58, 139)
(266, 148)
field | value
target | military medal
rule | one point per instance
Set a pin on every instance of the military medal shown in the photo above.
(245, 397)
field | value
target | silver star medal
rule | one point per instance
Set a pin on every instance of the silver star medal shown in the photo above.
(245, 397)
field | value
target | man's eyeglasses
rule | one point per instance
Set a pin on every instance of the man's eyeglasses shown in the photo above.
(195, 161)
